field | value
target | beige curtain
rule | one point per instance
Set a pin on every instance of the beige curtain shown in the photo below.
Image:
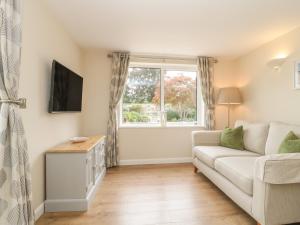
(205, 67)
(15, 177)
(120, 63)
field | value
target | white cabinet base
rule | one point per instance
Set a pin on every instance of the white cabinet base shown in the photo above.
(63, 205)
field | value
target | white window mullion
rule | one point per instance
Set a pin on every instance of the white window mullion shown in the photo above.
(198, 100)
(162, 97)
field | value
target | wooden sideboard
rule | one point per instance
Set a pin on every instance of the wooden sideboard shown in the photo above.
(73, 172)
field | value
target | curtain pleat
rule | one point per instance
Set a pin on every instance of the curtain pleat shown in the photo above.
(120, 63)
(15, 178)
(205, 68)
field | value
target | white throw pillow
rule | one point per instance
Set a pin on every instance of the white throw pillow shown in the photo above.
(255, 136)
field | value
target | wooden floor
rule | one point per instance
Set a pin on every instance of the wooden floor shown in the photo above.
(155, 195)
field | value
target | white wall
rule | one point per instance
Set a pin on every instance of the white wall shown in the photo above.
(225, 76)
(269, 94)
(155, 143)
(140, 143)
(44, 40)
(97, 67)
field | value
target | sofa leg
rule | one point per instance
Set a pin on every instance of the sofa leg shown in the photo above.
(195, 169)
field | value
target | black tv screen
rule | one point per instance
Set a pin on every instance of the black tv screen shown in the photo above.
(66, 90)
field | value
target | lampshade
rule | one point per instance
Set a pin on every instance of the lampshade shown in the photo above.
(229, 95)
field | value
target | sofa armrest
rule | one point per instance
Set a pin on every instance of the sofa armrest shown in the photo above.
(278, 168)
(205, 137)
(276, 189)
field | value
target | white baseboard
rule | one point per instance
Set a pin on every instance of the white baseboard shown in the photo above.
(65, 205)
(39, 211)
(127, 162)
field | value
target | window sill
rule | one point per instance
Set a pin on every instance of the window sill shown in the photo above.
(159, 126)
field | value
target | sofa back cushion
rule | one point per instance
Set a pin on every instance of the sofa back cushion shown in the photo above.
(278, 131)
(255, 135)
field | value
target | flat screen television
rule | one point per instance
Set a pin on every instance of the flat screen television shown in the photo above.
(66, 90)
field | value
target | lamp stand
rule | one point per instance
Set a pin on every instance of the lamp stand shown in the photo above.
(228, 115)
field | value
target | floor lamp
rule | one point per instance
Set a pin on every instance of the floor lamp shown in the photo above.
(229, 96)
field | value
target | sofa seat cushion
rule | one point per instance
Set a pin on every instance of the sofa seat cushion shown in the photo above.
(208, 154)
(239, 170)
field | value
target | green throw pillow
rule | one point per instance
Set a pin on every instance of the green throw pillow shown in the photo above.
(291, 144)
(233, 138)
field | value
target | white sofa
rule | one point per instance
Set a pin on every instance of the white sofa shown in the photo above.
(265, 184)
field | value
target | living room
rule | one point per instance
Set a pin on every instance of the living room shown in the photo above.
(161, 84)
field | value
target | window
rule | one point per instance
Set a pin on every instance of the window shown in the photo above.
(161, 96)
(180, 96)
(140, 104)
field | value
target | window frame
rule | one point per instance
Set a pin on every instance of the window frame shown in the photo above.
(163, 123)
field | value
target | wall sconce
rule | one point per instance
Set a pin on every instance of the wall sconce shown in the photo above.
(276, 63)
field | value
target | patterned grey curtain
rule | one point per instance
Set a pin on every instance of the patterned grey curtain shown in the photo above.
(120, 63)
(205, 68)
(15, 179)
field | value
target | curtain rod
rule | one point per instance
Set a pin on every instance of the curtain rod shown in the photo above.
(165, 58)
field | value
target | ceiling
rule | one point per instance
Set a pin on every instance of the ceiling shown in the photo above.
(222, 28)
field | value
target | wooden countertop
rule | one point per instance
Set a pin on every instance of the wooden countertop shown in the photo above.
(70, 147)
